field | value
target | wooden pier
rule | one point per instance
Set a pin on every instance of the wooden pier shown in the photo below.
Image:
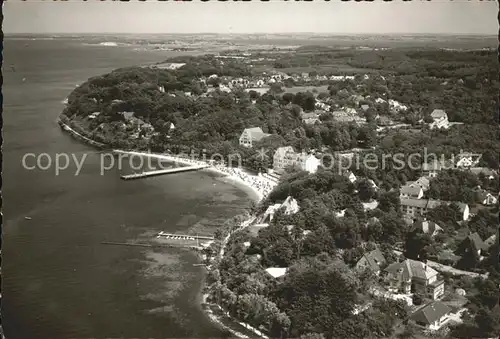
(161, 172)
(172, 236)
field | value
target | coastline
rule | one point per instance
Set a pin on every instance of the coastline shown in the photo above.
(258, 184)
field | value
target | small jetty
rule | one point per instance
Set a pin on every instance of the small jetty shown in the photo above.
(184, 236)
(164, 171)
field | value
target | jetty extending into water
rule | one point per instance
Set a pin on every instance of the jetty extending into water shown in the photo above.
(164, 171)
(173, 236)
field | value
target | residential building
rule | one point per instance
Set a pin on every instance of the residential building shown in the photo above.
(127, 115)
(289, 207)
(431, 169)
(352, 178)
(411, 276)
(251, 135)
(440, 119)
(286, 156)
(472, 247)
(487, 172)
(414, 192)
(347, 116)
(467, 160)
(422, 182)
(322, 106)
(374, 261)
(432, 316)
(341, 77)
(490, 241)
(372, 184)
(365, 107)
(485, 197)
(384, 121)
(310, 118)
(427, 227)
(396, 106)
(419, 207)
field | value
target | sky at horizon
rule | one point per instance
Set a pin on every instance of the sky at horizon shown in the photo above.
(416, 17)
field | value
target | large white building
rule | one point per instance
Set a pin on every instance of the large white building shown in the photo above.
(286, 156)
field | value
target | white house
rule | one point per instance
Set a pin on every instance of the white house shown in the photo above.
(440, 119)
(422, 182)
(396, 106)
(286, 156)
(250, 135)
(94, 115)
(486, 198)
(467, 160)
(289, 206)
(352, 178)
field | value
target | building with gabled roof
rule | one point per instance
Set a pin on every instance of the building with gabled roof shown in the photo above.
(422, 182)
(473, 247)
(485, 197)
(467, 160)
(427, 227)
(289, 206)
(432, 316)
(411, 276)
(373, 261)
(251, 135)
(408, 191)
(440, 119)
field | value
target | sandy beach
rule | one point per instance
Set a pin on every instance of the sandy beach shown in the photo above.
(259, 184)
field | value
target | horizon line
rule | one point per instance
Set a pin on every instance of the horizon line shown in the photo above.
(261, 33)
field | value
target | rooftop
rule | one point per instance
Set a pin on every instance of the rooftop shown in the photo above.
(373, 260)
(427, 226)
(276, 272)
(431, 312)
(410, 190)
(438, 113)
(412, 269)
(255, 133)
(430, 204)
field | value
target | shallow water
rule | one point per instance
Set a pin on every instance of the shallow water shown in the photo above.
(59, 281)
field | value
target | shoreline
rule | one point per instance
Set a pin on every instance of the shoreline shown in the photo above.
(258, 184)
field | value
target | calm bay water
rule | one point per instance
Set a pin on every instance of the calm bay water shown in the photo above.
(59, 281)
